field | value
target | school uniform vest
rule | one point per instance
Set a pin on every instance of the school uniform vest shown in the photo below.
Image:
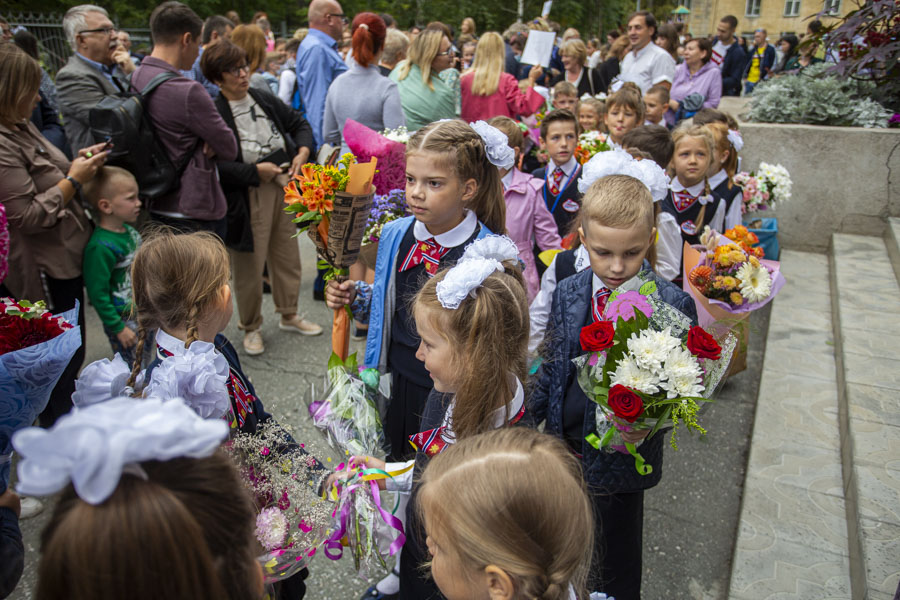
(728, 196)
(686, 210)
(564, 206)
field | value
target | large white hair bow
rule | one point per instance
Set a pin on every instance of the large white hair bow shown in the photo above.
(619, 162)
(480, 259)
(736, 139)
(496, 145)
(93, 446)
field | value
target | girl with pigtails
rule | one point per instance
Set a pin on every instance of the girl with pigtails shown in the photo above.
(472, 320)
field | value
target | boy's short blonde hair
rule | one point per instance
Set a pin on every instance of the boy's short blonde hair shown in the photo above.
(620, 202)
(101, 185)
(511, 130)
(564, 88)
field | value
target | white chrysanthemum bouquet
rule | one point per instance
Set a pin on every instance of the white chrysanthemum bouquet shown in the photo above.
(647, 368)
(764, 189)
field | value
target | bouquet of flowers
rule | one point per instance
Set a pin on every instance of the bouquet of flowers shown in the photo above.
(647, 368)
(589, 144)
(348, 415)
(765, 188)
(293, 518)
(35, 349)
(385, 208)
(332, 203)
(746, 239)
(389, 147)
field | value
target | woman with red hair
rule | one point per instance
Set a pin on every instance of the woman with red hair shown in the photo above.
(362, 93)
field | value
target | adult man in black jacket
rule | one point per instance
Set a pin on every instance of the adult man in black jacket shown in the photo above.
(729, 56)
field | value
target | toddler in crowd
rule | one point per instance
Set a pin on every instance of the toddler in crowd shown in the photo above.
(506, 516)
(591, 113)
(140, 479)
(656, 102)
(472, 320)
(617, 229)
(624, 112)
(528, 222)
(690, 201)
(565, 97)
(113, 197)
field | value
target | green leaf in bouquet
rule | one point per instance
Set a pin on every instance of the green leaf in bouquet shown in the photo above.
(312, 215)
(648, 288)
(334, 361)
(659, 422)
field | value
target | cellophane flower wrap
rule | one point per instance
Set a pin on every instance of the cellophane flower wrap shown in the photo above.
(589, 144)
(765, 188)
(385, 208)
(646, 367)
(284, 479)
(35, 348)
(348, 413)
(731, 275)
(388, 147)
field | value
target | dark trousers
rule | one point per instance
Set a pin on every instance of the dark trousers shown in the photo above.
(404, 416)
(62, 296)
(619, 529)
(191, 225)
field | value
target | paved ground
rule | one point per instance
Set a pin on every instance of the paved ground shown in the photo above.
(691, 518)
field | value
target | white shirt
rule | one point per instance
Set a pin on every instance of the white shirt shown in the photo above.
(669, 246)
(719, 51)
(449, 239)
(539, 312)
(257, 134)
(718, 219)
(403, 483)
(733, 214)
(648, 66)
(174, 346)
(568, 168)
(506, 180)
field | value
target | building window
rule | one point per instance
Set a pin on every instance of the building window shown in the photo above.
(791, 8)
(686, 4)
(753, 7)
(833, 7)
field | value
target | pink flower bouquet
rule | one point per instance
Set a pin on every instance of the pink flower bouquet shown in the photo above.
(366, 143)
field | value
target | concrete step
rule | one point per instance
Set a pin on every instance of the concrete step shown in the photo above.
(792, 540)
(892, 239)
(866, 298)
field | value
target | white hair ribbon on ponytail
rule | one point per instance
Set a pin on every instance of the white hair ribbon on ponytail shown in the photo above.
(619, 162)
(480, 259)
(496, 145)
(363, 26)
(736, 139)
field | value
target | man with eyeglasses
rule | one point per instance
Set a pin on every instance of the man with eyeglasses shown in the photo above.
(318, 60)
(91, 73)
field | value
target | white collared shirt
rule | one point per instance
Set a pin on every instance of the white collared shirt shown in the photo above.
(733, 214)
(539, 311)
(648, 66)
(449, 239)
(568, 168)
(597, 285)
(403, 483)
(718, 218)
(174, 346)
(506, 180)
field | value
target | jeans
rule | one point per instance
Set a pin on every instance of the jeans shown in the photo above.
(127, 354)
(748, 87)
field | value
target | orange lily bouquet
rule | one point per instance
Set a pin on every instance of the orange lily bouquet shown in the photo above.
(332, 204)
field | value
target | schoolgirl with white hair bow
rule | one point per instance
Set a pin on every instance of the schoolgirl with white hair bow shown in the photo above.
(473, 324)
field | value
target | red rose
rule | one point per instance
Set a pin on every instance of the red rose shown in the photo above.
(625, 404)
(703, 345)
(17, 333)
(597, 336)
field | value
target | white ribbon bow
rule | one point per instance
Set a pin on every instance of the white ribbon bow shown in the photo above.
(619, 162)
(496, 145)
(480, 259)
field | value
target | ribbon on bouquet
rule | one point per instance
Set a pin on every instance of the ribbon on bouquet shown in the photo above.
(332, 547)
(598, 443)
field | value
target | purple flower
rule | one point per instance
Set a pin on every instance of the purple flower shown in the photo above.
(895, 119)
(625, 304)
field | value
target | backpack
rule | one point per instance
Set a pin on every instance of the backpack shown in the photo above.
(124, 120)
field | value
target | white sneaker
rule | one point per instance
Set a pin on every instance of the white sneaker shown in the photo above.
(300, 325)
(31, 507)
(253, 343)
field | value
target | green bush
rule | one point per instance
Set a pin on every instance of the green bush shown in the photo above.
(816, 98)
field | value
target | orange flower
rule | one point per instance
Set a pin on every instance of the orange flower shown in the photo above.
(291, 195)
(318, 200)
(699, 277)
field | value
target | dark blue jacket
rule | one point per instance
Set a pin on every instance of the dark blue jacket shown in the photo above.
(733, 70)
(604, 472)
(768, 61)
(12, 552)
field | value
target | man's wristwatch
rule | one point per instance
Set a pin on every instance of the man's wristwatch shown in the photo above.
(74, 183)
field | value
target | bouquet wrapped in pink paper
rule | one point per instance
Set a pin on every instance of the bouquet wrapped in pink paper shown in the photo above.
(366, 143)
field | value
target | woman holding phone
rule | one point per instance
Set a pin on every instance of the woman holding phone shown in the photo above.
(273, 143)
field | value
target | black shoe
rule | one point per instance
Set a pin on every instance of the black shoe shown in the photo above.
(319, 295)
(360, 334)
(267, 289)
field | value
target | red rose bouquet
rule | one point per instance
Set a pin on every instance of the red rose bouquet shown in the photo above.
(35, 348)
(648, 370)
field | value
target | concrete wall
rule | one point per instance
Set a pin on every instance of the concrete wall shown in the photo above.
(845, 179)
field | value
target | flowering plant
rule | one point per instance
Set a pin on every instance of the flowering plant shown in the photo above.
(311, 193)
(401, 134)
(385, 208)
(389, 147)
(746, 239)
(589, 144)
(24, 324)
(765, 188)
(284, 480)
(650, 369)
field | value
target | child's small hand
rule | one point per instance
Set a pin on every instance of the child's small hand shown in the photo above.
(9, 499)
(338, 295)
(635, 437)
(369, 462)
(127, 337)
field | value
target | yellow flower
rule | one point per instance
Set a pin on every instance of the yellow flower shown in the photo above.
(754, 261)
(736, 298)
(729, 283)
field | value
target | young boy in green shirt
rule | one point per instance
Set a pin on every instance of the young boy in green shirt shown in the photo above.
(113, 197)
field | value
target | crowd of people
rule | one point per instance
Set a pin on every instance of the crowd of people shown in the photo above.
(236, 113)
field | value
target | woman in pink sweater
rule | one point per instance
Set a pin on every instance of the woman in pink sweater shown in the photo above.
(488, 91)
(528, 222)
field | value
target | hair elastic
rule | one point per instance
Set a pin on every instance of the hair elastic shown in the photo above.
(362, 26)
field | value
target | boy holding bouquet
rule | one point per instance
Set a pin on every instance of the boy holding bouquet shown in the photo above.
(617, 228)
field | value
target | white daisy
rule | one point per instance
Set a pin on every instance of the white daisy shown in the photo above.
(650, 348)
(683, 384)
(756, 283)
(681, 363)
(629, 374)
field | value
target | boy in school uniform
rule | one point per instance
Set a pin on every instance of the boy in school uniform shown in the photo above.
(559, 137)
(617, 228)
